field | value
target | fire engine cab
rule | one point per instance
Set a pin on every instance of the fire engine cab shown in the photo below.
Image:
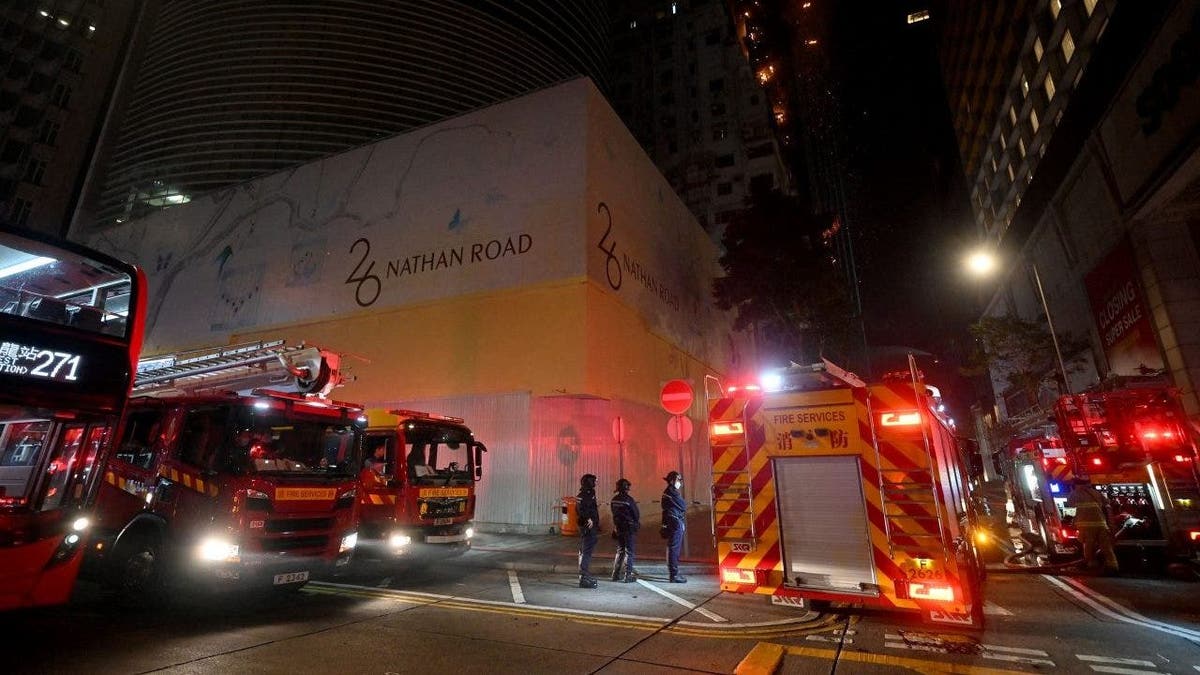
(1039, 476)
(221, 481)
(417, 484)
(826, 489)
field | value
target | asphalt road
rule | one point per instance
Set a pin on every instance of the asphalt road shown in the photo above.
(450, 618)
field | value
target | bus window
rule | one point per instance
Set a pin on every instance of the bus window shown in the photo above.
(62, 467)
(20, 443)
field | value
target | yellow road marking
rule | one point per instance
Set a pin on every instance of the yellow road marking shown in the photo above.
(764, 659)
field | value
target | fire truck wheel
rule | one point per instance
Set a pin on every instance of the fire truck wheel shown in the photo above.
(139, 572)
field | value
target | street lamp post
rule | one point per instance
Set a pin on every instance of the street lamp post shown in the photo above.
(1062, 369)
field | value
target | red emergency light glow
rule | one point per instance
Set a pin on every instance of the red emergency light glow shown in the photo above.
(903, 419)
(923, 591)
(1194, 535)
(1096, 461)
(1182, 458)
(733, 389)
(727, 429)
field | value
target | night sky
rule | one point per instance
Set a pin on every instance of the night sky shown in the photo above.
(913, 217)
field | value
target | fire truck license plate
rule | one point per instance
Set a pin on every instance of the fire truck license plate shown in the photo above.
(291, 578)
(442, 521)
(923, 568)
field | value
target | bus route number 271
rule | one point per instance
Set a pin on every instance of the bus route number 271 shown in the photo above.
(19, 359)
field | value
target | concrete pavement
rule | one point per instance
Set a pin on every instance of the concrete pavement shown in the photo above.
(559, 553)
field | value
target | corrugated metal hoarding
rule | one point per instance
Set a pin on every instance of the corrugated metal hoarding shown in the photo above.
(539, 447)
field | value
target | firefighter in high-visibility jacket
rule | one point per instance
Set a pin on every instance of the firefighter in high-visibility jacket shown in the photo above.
(1092, 524)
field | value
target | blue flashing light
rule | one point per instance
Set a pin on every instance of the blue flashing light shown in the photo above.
(1055, 488)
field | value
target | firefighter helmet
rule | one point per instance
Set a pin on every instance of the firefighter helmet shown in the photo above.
(623, 485)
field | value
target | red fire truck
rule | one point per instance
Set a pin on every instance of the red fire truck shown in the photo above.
(1132, 438)
(417, 484)
(220, 481)
(1038, 475)
(70, 331)
(826, 489)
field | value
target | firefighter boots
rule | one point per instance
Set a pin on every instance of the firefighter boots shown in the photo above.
(679, 579)
(587, 582)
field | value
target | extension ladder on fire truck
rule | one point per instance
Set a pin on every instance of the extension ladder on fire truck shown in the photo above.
(241, 368)
(912, 511)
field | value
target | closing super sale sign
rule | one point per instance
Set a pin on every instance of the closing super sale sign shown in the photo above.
(804, 429)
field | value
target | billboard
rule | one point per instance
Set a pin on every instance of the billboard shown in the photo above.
(1121, 315)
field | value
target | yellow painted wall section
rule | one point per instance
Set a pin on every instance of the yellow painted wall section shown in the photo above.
(628, 361)
(531, 339)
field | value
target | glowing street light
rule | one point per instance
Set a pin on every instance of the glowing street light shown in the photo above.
(981, 263)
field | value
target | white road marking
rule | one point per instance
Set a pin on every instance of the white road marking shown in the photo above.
(671, 596)
(992, 608)
(518, 596)
(828, 638)
(1015, 650)
(1093, 599)
(1013, 658)
(994, 652)
(1121, 671)
(1129, 612)
(1111, 659)
(387, 581)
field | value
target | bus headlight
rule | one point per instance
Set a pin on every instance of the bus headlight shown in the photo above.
(348, 542)
(470, 532)
(398, 540)
(218, 550)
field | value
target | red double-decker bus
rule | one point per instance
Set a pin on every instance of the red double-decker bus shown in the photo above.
(71, 323)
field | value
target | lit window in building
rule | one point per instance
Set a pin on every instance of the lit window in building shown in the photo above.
(1021, 146)
(1055, 7)
(1090, 6)
(674, 8)
(633, 24)
(1010, 173)
(1068, 46)
(1024, 86)
(1033, 120)
(1049, 87)
(994, 165)
(1037, 48)
(918, 17)
(1003, 143)
(1012, 115)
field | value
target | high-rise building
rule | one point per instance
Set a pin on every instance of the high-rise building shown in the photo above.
(58, 61)
(1078, 125)
(228, 90)
(690, 98)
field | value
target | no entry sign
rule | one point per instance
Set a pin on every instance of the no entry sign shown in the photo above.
(676, 397)
(679, 428)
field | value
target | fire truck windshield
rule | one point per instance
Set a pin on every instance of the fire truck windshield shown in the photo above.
(437, 454)
(275, 442)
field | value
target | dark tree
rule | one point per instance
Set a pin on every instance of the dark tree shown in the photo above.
(1020, 351)
(783, 281)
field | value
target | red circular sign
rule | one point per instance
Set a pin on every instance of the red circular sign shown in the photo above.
(676, 397)
(619, 429)
(679, 428)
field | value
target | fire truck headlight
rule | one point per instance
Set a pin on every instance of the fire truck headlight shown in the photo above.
(218, 550)
(398, 540)
(470, 532)
(981, 537)
(80, 524)
(72, 539)
(348, 542)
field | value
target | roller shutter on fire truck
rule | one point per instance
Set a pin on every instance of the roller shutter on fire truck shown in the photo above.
(823, 519)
